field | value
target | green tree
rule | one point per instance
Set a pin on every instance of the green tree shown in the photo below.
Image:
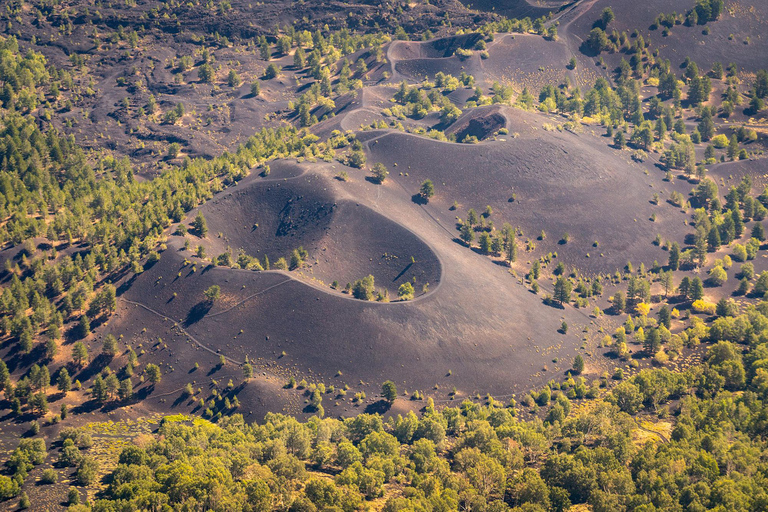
(598, 40)
(83, 326)
(578, 364)
(363, 289)
(272, 71)
(606, 17)
(200, 226)
(406, 291)
(109, 347)
(467, 233)
(563, 289)
(153, 373)
(380, 172)
(64, 381)
(674, 256)
(212, 293)
(126, 389)
(233, 79)
(206, 73)
(697, 289)
(484, 240)
(389, 391)
(79, 354)
(427, 190)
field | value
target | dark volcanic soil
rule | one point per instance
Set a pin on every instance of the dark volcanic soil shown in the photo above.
(561, 183)
(516, 8)
(345, 240)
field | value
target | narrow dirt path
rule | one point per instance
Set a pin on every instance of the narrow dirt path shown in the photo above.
(181, 329)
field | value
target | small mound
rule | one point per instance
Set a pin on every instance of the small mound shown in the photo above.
(417, 60)
(523, 60)
(478, 124)
(345, 241)
(434, 49)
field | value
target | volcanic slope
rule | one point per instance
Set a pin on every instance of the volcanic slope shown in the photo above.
(345, 240)
(468, 331)
(515, 8)
(415, 60)
(734, 37)
(539, 178)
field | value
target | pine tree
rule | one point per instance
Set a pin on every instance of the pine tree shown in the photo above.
(64, 382)
(563, 289)
(200, 225)
(674, 256)
(578, 364)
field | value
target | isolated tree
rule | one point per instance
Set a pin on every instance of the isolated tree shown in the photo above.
(484, 240)
(39, 403)
(578, 364)
(200, 226)
(472, 217)
(233, 79)
(380, 172)
(718, 276)
(665, 317)
(299, 58)
(389, 391)
(761, 285)
(98, 389)
(173, 150)
(563, 288)
(272, 71)
(247, 371)
(597, 40)
(212, 293)
(406, 291)
(427, 190)
(758, 232)
(652, 342)
(206, 73)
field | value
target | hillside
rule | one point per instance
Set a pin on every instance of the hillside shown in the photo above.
(383, 256)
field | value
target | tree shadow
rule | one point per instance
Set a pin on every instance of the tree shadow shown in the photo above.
(401, 274)
(214, 370)
(95, 366)
(197, 312)
(586, 49)
(125, 285)
(378, 407)
(419, 199)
